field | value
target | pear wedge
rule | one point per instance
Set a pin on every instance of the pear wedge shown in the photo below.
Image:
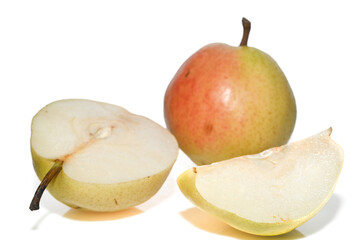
(99, 156)
(269, 193)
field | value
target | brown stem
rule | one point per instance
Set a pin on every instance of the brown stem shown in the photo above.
(246, 29)
(54, 170)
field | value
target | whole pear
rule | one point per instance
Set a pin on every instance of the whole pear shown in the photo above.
(227, 101)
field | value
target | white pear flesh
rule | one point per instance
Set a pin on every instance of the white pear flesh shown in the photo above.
(269, 193)
(112, 159)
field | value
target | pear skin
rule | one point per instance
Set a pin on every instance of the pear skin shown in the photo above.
(98, 197)
(228, 101)
(98, 156)
(186, 183)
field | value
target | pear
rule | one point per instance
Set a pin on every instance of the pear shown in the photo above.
(98, 156)
(269, 193)
(227, 101)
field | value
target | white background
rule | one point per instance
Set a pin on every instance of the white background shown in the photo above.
(126, 53)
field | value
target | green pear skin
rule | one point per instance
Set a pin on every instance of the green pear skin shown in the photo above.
(98, 197)
(186, 183)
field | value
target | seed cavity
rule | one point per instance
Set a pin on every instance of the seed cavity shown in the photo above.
(102, 133)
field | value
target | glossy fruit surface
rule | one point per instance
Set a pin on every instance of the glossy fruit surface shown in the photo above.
(227, 101)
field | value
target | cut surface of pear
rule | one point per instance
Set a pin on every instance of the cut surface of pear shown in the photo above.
(269, 193)
(111, 159)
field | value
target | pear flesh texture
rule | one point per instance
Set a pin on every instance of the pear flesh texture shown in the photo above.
(112, 159)
(269, 193)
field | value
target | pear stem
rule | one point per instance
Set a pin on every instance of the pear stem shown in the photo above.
(246, 29)
(53, 172)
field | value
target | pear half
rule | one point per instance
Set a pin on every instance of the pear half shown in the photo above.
(269, 193)
(99, 156)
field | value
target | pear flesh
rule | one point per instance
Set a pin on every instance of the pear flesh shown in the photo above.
(111, 159)
(272, 192)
